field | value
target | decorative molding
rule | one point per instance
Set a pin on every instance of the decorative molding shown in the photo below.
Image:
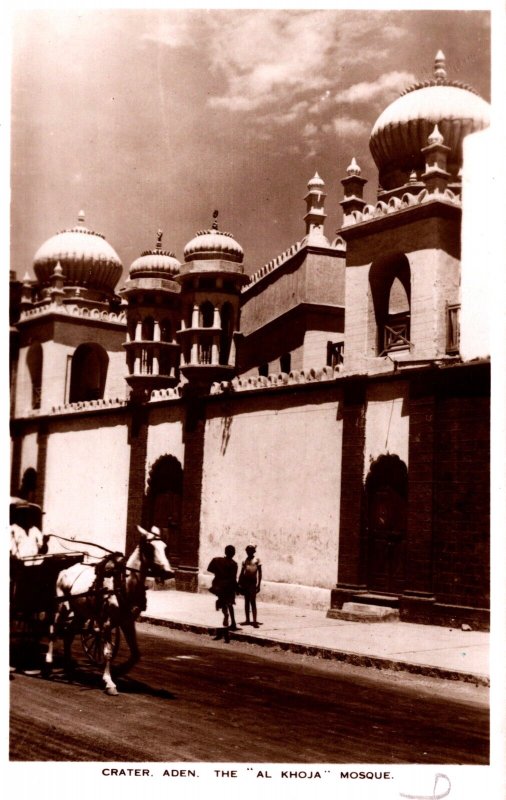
(170, 393)
(72, 310)
(88, 405)
(395, 205)
(275, 380)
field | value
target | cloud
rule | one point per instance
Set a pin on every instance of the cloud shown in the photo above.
(281, 65)
(310, 130)
(348, 126)
(386, 87)
(289, 63)
(272, 56)
(176, 30)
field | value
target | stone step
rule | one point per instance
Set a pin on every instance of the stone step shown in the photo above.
(363, 612)
(392, 601)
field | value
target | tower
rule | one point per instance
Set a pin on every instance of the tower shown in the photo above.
(70, 324)
(403, 252)
(153, 312)
(211, 279)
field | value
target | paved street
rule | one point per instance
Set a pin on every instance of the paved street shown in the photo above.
(195, 700)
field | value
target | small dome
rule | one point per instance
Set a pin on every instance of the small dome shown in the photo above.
(403, 129)
(316, 182)
(213, 244)
(86, 259)
(155, 263)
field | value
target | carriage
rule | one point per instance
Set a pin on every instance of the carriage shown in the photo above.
(71, 593)
(34, 604)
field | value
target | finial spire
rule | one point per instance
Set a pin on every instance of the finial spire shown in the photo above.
(435, 137)
(159, 235)
(353, 168)
(215, 220)
(440, 66)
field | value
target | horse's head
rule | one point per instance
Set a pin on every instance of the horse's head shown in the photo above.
(153, 551)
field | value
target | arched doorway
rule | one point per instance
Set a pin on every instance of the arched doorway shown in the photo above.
(386, 490)
(162, 503)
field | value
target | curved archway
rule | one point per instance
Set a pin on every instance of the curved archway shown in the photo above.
(206, 314)
(390, 283)
(386, 490)
(148, 325)
(88, 373)
(163, 501)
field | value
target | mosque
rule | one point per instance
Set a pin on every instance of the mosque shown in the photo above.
(333, 407)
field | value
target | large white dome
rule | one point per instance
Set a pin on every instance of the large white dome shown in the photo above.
(402, 130)
(85, 257)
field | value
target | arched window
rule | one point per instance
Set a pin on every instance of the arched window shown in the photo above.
(34, 360)
(147, 329)
(390, 282)
(226, 332)
(131, 328)
(206, 315)
(88, 373)
(285, 363)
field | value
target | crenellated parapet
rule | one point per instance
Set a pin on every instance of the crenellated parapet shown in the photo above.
(71, 310)
(88, 405)
(396, 205)
(275, 380)
(170, 393)
(273, 264)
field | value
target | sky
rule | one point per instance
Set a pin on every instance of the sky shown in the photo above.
(148, 119)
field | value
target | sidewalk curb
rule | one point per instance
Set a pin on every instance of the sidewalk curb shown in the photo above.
(355, 659)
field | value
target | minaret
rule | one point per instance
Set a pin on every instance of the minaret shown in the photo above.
(436, 176)
(211, 280)
(315, 216)
(152, 320)
(353, 192)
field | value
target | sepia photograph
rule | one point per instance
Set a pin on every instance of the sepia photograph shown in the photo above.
(251, 346)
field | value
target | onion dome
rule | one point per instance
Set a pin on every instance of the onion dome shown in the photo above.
(86, 259)
(155, 263)
(316, 182)
(402, 130)
(213, 244)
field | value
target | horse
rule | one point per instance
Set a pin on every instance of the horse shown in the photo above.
(112, 592)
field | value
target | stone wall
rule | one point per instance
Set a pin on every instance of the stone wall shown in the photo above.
(272, 474)
(86, 478)
(461, 491)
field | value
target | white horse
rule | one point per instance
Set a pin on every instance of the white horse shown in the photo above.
(111, 592)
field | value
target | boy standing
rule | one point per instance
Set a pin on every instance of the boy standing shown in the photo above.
(224, 569)
(250, 581)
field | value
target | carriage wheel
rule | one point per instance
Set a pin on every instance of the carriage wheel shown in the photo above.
(92, 639)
